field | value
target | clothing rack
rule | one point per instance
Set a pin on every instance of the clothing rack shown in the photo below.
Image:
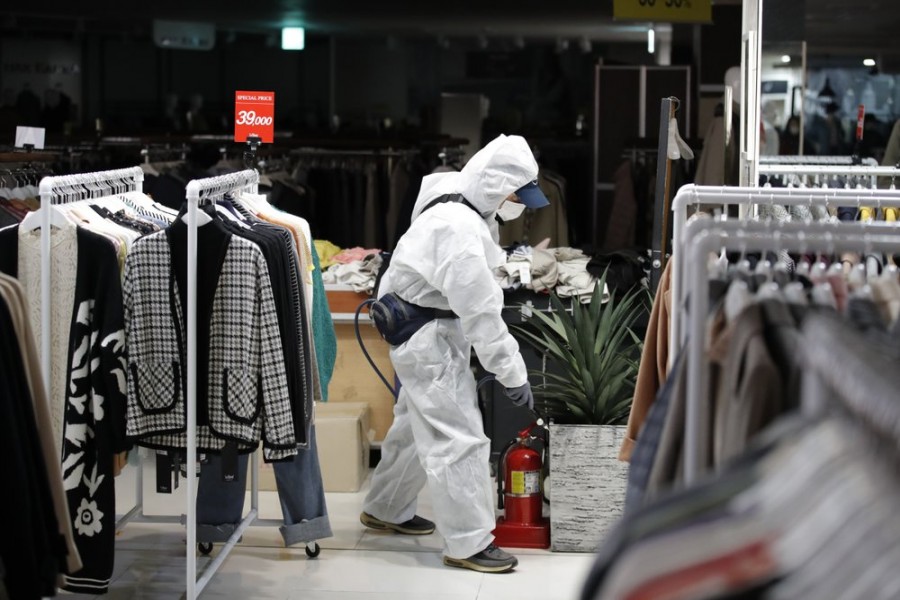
(203, 190)
(690, 195)
(829, 170)
(705, 236)
(659, 248)
(28, 171)
(62, 190)
(845, 161)
(390, 152)
(65, 189)
(27, 157)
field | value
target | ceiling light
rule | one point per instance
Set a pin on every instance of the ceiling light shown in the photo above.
(869, 62)
(562, 44)
(651, 41)
(293, 38)
(786, 59)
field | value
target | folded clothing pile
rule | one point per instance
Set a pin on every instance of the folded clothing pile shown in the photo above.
(358, 274)
(560, 270)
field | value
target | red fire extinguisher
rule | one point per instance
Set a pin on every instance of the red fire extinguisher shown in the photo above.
(520, 494)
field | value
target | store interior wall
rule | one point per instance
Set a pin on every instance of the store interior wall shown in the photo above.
(536, 89)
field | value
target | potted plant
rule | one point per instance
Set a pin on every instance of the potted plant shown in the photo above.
(585, 393)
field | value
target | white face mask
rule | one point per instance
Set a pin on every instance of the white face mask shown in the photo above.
(510, 211)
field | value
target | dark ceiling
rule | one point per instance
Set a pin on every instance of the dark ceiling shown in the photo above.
(406, 17)
(848, 26)
(831, 26)
(328, 16)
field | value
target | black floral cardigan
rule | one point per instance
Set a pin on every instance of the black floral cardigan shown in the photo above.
(94, 414)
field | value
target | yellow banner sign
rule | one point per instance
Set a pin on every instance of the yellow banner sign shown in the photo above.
(670, 11)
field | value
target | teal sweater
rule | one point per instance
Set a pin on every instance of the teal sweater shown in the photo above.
(324, 336)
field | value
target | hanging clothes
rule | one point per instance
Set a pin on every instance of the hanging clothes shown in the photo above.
(298, 480)
(92, 401)
(324, 335)
(30, 552)
(277, 245)
(654, 367)
(780, 520)
(242, 392)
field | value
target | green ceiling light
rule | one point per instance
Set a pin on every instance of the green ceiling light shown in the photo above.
(293, 38)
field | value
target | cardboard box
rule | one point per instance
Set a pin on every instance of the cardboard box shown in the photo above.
(344, 436)
(353, 379)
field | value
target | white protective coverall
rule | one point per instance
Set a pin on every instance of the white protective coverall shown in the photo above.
(445, 261)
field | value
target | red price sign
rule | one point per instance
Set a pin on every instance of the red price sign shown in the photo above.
(254, 114)
(860, 122)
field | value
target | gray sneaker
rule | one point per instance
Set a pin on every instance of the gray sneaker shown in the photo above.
(415, 526)
(490, 560)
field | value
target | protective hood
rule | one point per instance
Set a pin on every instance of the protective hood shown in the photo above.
(491, 175)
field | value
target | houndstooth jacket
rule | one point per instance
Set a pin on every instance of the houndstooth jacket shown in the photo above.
(246, 398)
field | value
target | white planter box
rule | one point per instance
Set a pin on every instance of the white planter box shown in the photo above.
(587, 485)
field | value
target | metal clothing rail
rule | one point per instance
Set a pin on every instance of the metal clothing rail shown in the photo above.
(829, 170)
(691, 195)
(705, 236)
(375, 152)
(199, 190)
(845, 161)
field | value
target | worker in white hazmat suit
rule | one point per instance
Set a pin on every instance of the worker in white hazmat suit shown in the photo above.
(445, 262)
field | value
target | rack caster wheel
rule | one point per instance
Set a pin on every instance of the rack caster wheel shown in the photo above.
(205, 548)
(313, 550)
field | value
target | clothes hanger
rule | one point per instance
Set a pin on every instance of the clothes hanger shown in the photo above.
(771, 288)
(738, 297)
(34, 219)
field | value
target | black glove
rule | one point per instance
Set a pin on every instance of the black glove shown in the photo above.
(521, 396)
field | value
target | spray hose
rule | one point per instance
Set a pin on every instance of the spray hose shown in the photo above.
(359, 339)
(362, 345)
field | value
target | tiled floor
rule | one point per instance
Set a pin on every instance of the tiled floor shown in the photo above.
(355, 563)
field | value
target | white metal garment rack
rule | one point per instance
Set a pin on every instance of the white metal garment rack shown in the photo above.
(691, 195)
(844, 161)
(66, 189)
(63, 189)
(204, 190)
(829, 171)
(705, 236)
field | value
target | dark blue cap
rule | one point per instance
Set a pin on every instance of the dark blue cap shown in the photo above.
(531, 196)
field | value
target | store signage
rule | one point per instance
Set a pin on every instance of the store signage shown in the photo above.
(667, 11)
(860, 122)
(30, 137)
(254, 114)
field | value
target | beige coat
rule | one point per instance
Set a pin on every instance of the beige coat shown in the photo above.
(654, 362)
